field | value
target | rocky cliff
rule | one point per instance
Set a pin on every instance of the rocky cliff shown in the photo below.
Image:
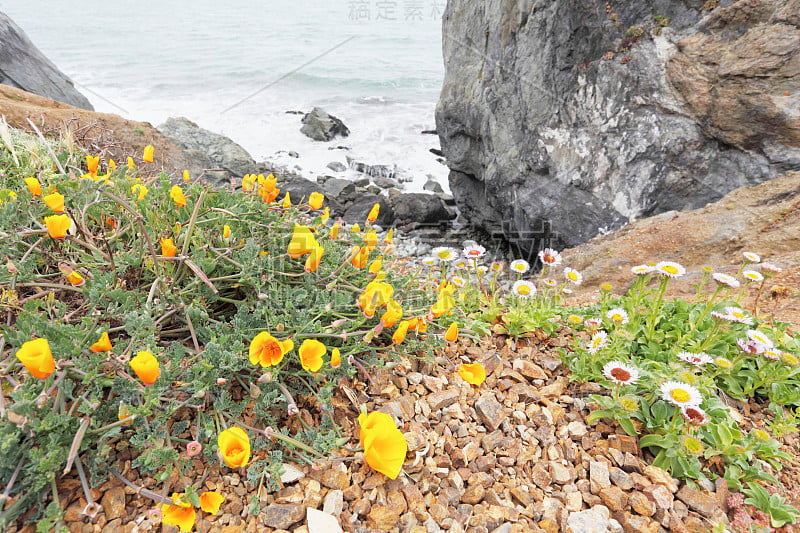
(563, 118)
(22, 65)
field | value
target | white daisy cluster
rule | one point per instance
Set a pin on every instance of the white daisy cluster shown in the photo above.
(681, 394)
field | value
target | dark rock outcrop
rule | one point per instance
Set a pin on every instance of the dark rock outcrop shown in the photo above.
(214, 156)
(357, 211)
(321, 126)
(563, 118)
(420, 207)
(23, 66)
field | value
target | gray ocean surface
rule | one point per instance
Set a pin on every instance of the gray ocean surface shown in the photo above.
(202, 59)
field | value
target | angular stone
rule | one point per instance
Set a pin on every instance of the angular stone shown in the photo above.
(613, 498)
(526, 393)
(490, 411)
(624, 443)
(641, 504)
(492, 440)
(522, 496)
(113, 503)
(701, 502)
(528, 369)
(442, 399)
(321, 522)
(474, 494)
(291, 473)
(621, 479)
(282, 515)
(334, 502)
(335, 479)
(540, 476)
(598, 476)
(576, 429)
(556, 388)
(660, 495)
(382, 517)
(561, 474)
(661, 476)
(549, 525)
(589, 521)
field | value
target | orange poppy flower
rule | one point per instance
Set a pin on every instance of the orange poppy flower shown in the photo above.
(182, 514)
(234, 446)
(168, 248)
(452, 332)
(176, 193)
(336, 357)
(474, 373)
(400, 333)
(385, 447)
(226, 231)
(102, 345)
(373, 213)
(315, 200)
(210, 502)
(361, 257)
(266, 350)
(75, 278)
(146, 367)
(394, 312)
(313, 260)
(34, 186)
(37, 358)
(311, 352)
(55, 201)
(91, 163)
(287, 201)
(57, 225)
(147, 155)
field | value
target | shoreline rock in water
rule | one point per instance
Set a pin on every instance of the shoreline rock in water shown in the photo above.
(321, 126)
(577, 118)
(23, 66)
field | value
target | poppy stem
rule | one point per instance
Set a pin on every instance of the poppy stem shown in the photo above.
(141, 491)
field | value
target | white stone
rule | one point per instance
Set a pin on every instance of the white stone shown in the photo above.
(291, 473)
(320, 522)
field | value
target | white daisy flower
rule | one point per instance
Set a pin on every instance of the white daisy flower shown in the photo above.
(496, 266)
(769, 267)
(695, 415)
(617, 315)
(696, 359)
(772, 353)
(444, 253)
(752, 275)
(670, 269)
(523, 289)
(681, 394)
(752, 257)
(460, 264)
(592, 322)
(620, 373)
(573, 276)
(739, 315)
(458, 281)
(725, 279)
(750, 346)
(566, 290)
(599, 340)
(520, 266)
(641, 270)
(758, 336)
(550, 257)
(428, 261)
(482, 269)
(474, 251)
(550, 282)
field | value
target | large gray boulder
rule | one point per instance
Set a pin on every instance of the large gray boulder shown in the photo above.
(23, 66)
(321, 126)
(216, 157)
(560, 119)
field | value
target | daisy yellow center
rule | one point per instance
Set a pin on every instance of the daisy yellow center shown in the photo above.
(444, 255)
(693, 445)
(524, 290)
(620, 374)
(669, 269)
(549, 258)
(738, 314)
(518, 268)
(616, 317)
(680, 395)
(573, 276)
(790, 359)
(597, 341)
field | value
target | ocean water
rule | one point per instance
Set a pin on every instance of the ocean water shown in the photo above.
(236, 69)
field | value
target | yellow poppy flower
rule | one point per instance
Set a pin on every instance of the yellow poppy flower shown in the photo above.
(55, 201)
(139, 190)
(360, 257)
(176, 193)
(112, 165)
(168, 248)
(182, 515)
(313, 260)
(226, 232)
(315, 200)
(335, 231)
(57, 225)
(302, 242)
(356, 228)
(325, 214)
(91, 163)
(389, 236)
(266, 350)
(474, 373)
(102, 345)
(34, 186)
(131, 164)
(371, 239)
(336, 357)
(287, 201)
(385, 447)
(186, 177)
(146, 367)
(311, 352)
(75, 278)
(400, 333)
(248, 182)
(37, 358)
(147, 155)
(373, 213)
(210, 502)
(234, 446)
(452, 332)
(375, 266)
